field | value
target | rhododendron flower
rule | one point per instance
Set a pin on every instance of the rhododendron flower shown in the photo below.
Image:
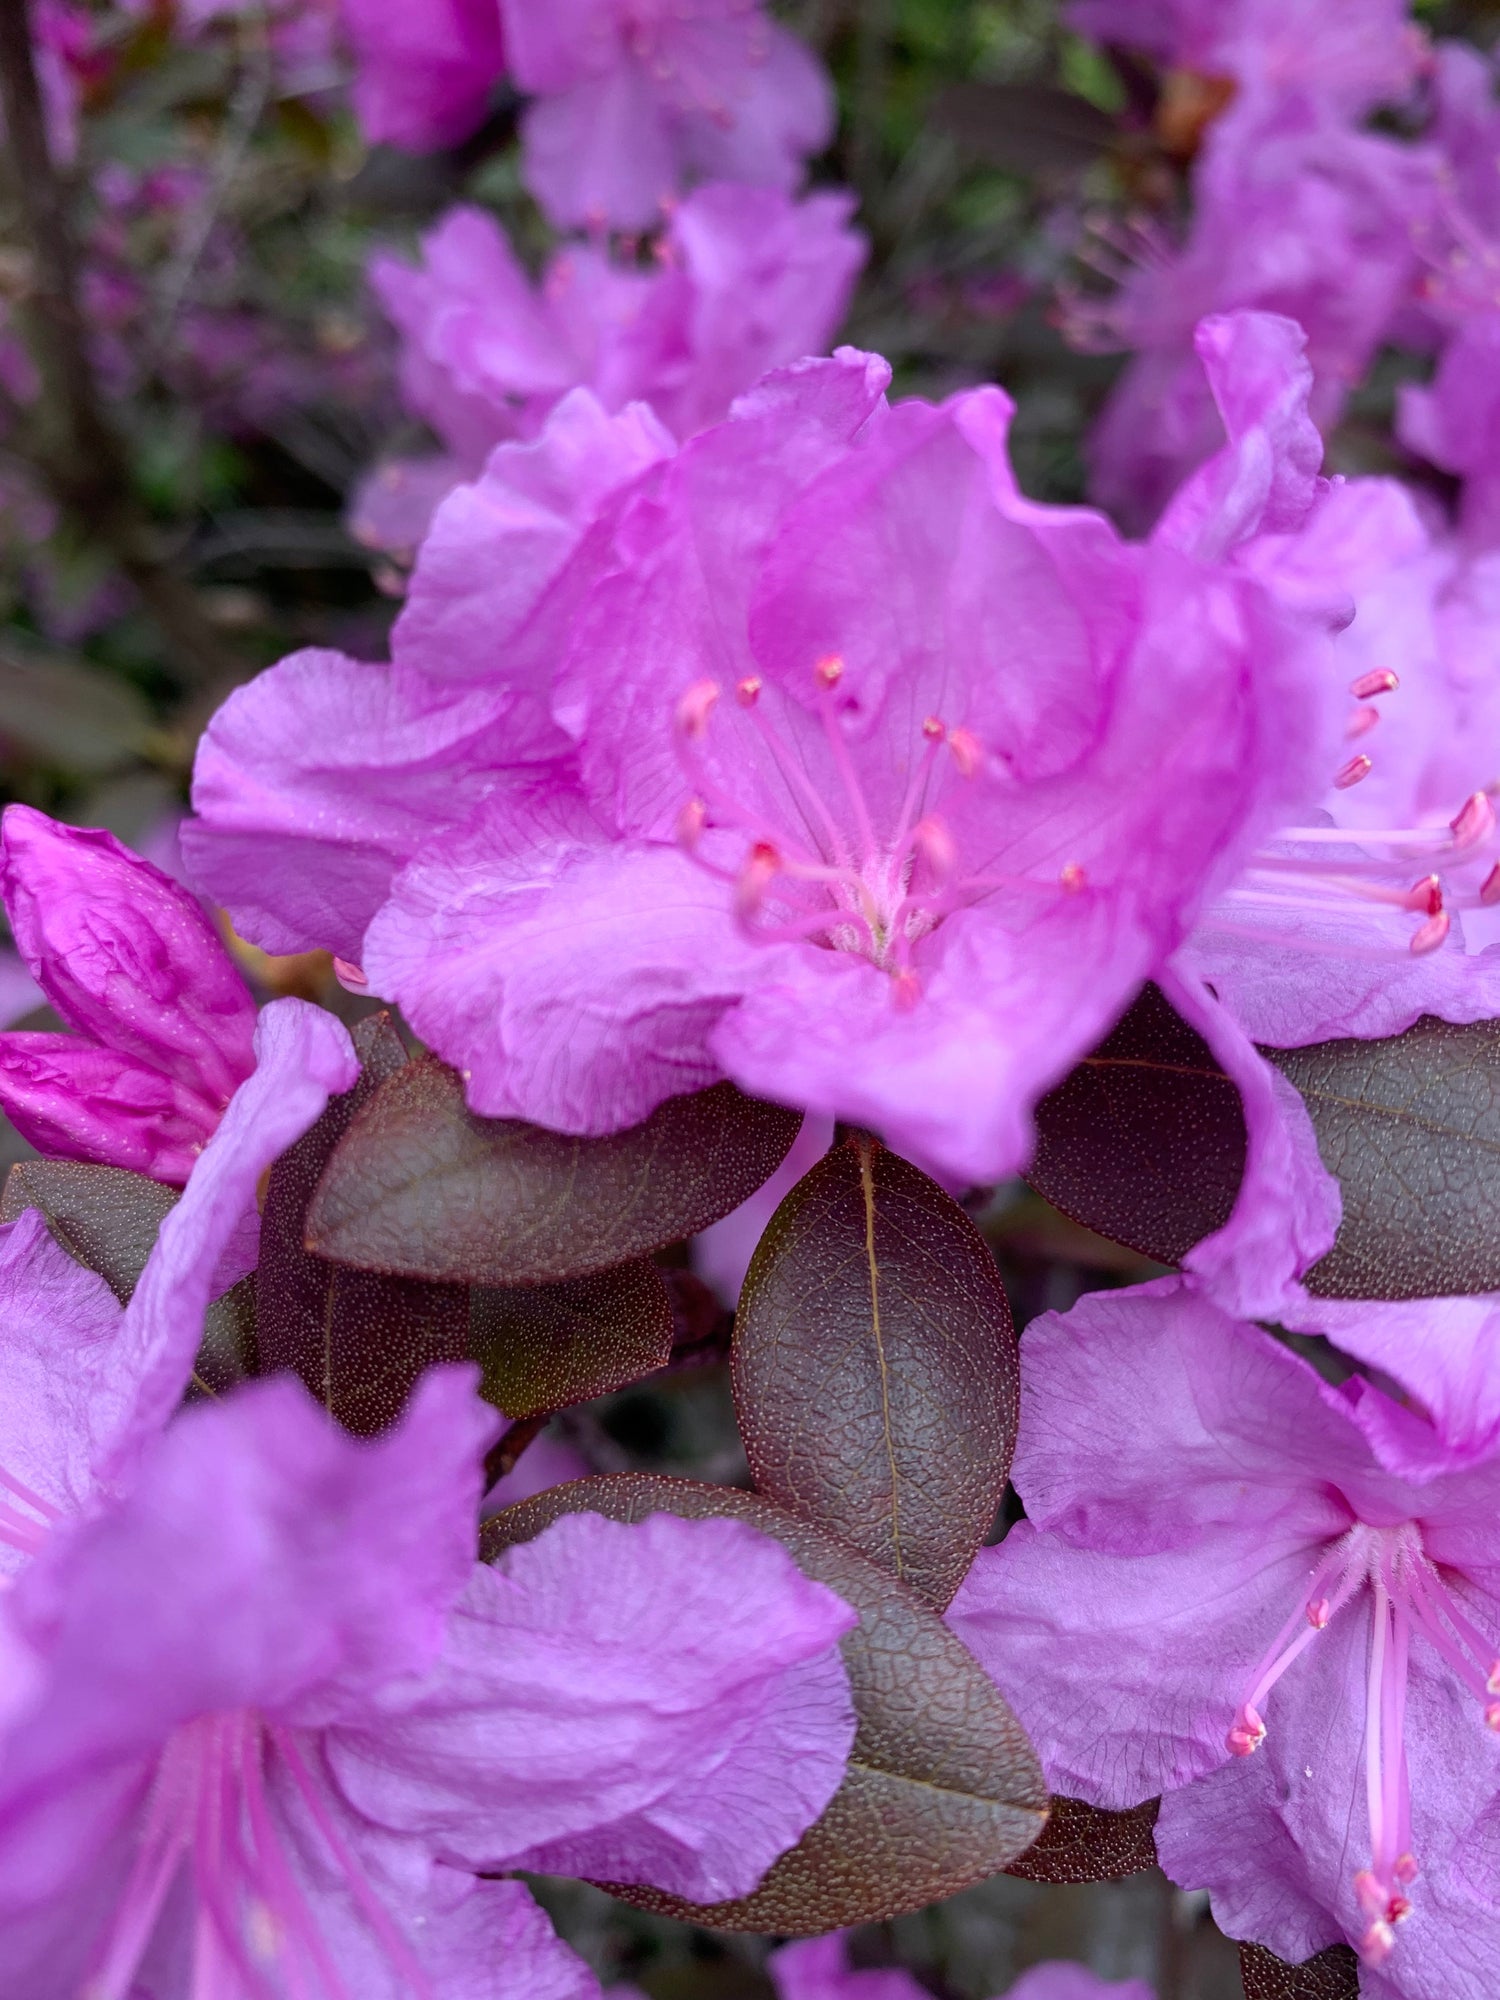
(1352, 52)
(423, 74)
(637, 97)
(746, 279)
(269, 1719)
(163, 1022)
(818, 1969)
(862, 779)
(1229, 1590)
(1294, 212)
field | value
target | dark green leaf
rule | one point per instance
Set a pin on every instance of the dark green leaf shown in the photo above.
(358, 1339)
(543, 1347)
(108, 1218)
(1332, 1975)
(1145, 1143)
(1083, 1843)
(943, 1788)
(876, 1376)
(420, 1185)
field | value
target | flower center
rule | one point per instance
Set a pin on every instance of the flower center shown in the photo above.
(1370, 866)
(209, 1813)
(823, 864)
(1406, 1594)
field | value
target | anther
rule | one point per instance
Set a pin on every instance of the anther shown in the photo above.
(829, 671)
(1492, 1678)
(1376, 1945)
(1489, 889)
(934, 843)
(1406, 1870)
(695, 707)
(1248, 1733)
(1430, 935)
(1318, 1613)
(761, 868)
(1071, 878)
(1380, 681)
(1426, 893)
(1351, 773)
(350, 975)
(747, 691)
(1474, 821)
(968, 751)
(933, 729)
(1362, 721)
(690, 823)
(1492, 1715)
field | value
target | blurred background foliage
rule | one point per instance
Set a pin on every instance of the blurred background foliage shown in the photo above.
(225, 207)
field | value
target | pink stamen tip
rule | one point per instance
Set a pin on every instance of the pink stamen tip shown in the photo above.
(1431, 934)
(1362, 721)
(933, 729)
(1398, 1909)
(695, 707)
(1406, 1870)
(1489, 889)
(349, 975)
(1474, 822)
(1492, 1715)
(1492, 1678)
(1071, 878)
(747, 691)
(906, 991)
(968, 751)
(691, 822)
(1248, 1733)
(1351, 773)
(1368, 1893)
(757, 875)
(934, 843)
(1380, 681)
(1426, 894)
(1377, 1943)
(1318, 1613)
(829, 671)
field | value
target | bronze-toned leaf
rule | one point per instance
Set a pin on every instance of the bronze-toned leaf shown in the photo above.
(1145, 1142)
(876, 1376)
(543, 1347)
(1084, 1843)
(1332, 1975)
(943, 1788)
(358, 1339)
(1026, 128)
(419, 1185)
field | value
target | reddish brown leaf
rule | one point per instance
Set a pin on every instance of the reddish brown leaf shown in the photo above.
(1083, 1843)
(1332, 1975)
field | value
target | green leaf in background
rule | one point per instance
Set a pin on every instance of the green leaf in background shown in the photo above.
(358, 1339)
(943, 1788)
(543, 1347)
(420, 1185)
(876, 1374)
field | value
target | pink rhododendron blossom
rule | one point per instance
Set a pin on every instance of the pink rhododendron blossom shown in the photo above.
(423, 73)
(747, 278)
(1352, 52)
(163, 1023)
(833, 764)
(1225, 1591)
(635, 98)
(818, 1969)
(272, 1716)
(1294, 212)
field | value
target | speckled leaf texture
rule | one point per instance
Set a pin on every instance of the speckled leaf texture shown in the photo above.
(1084, 1843)
(1145, 1143)
(358, 1339)
(876, 1374)
(421, 1186)
(543, 1347)
(1332, 1975)
(943, 1788)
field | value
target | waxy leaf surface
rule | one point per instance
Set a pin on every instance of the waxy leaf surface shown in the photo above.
(419, 1185)
(943, 1788)
(358, 1339)
(876, 1375)
(543, 1347)
(1145, 1143)
(1084, 1843)
(1332, 1975)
